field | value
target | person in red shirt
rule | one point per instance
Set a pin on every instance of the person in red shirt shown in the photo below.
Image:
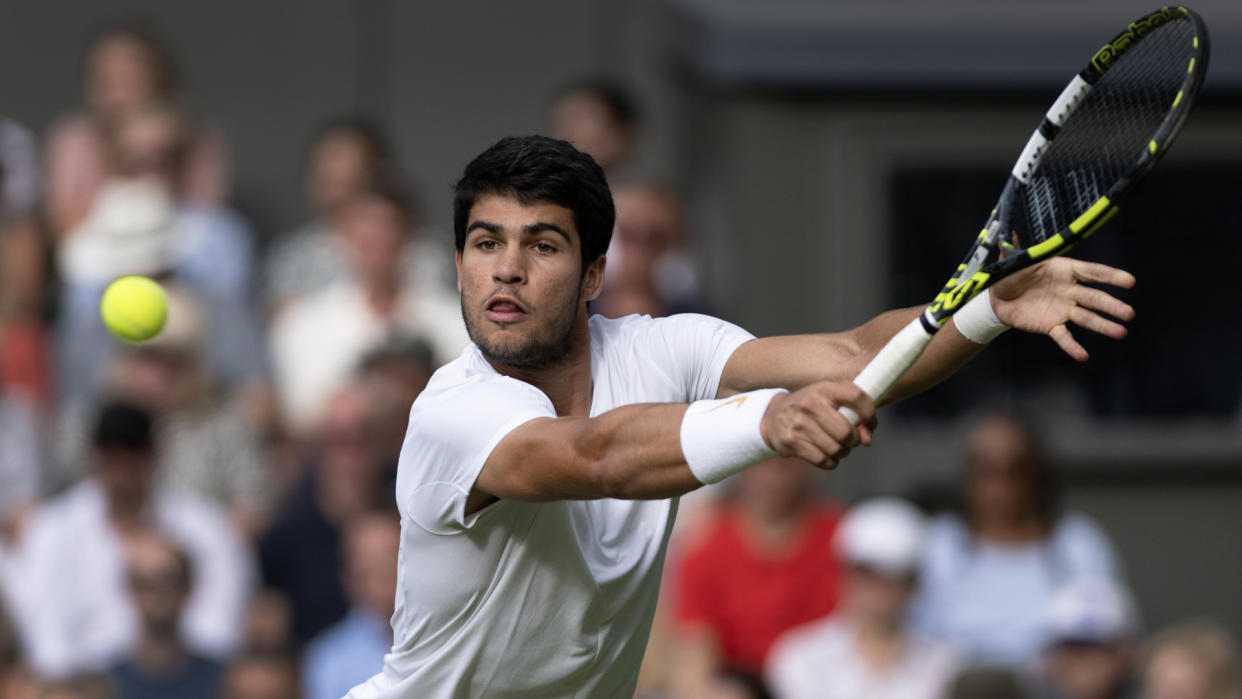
(764, 564)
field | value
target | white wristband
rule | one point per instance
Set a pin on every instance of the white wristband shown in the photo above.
(977, 320)
(721, 437)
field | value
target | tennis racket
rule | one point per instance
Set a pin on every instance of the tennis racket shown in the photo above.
(1106, 130)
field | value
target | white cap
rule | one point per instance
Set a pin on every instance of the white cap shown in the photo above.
(885, 534)
(1096, 610)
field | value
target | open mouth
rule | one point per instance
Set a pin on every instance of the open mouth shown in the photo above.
(504, 309)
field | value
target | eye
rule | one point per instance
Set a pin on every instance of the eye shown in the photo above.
(487, 245)
(545, 248)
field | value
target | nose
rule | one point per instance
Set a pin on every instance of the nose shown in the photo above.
(510, 266)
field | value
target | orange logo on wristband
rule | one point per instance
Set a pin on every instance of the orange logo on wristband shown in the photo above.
(739, 400)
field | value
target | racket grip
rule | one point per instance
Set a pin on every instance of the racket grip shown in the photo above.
(890, 364)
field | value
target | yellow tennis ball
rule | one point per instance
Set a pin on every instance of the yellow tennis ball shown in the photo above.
(134, 308)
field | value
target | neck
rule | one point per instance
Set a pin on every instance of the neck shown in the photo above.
(879, 641)
(773, 529)
(159, 650)
(567, 383)
(126, 514)
(1018, 528)
(381, 293)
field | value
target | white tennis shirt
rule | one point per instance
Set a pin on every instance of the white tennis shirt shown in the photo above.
(533, 599)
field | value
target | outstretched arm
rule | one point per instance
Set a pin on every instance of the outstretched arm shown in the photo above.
(1042, 299)
(635, 452)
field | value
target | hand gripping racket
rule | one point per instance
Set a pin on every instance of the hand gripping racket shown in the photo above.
(1109, 127)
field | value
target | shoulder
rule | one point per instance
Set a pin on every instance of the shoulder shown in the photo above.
(718, 536)
(946, 540)
(195, 519)
(71, 129)
(314, 309)
(467, 393)
(1081, 539)
(329, 643)
(644, 327)
(946, 531)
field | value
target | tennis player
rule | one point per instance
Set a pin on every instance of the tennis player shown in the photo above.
(540, 473)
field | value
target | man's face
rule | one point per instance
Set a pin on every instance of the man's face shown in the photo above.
(124, 474)
(585, 121)
(341, 167)
(376, 231)
(877, 596)
(1002, 472)
(157, 582)
(521, 281)
(1088, 670)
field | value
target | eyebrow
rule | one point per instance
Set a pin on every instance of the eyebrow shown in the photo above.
(532, 229)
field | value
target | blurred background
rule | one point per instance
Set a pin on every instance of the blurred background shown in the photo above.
(794, 166)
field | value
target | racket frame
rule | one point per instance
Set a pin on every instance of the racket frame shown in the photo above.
(990, 258)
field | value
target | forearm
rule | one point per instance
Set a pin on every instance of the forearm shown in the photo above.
(637, 452)
(631, 452)
(795, 361)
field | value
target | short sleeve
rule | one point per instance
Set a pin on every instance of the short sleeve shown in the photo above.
(699, 347)
(1085, 549)
(451, 434)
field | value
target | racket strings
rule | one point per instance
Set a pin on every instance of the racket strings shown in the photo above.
(1107, 135)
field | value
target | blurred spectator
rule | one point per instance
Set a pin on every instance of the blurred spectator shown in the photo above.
(85, 686)
(599, 118)
(1093, 631)
(649, 270)
(989, 574)
(70, 593)
(16, 682)
(986, 682)
(395, 373)
(140, 224)
(319, 340)
(23, 340)
(269, 623)
(1192, 660)
(204, 447)
(353, 650)
(764, 565)
(127, 69)
(160, 577)
(737, 684)
(865, 650)
(19, 171)
(301, 554)
(19, 467)
(262, 676)
(349, 156)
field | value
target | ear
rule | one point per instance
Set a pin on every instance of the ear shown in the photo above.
(593, 279)
(457, 259)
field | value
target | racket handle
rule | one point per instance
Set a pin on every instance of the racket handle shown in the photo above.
(890, 364)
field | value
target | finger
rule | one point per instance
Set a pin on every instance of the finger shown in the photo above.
(1098, 300)
(1096, 272)
(810, 453)
(1096, 323)
(851, 395)
(1061, 335)
(864, 435)
(823, 410)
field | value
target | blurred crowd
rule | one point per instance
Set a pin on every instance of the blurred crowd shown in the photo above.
(211, 513)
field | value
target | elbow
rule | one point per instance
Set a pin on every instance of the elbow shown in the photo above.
(610, 479)
(605, 476)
